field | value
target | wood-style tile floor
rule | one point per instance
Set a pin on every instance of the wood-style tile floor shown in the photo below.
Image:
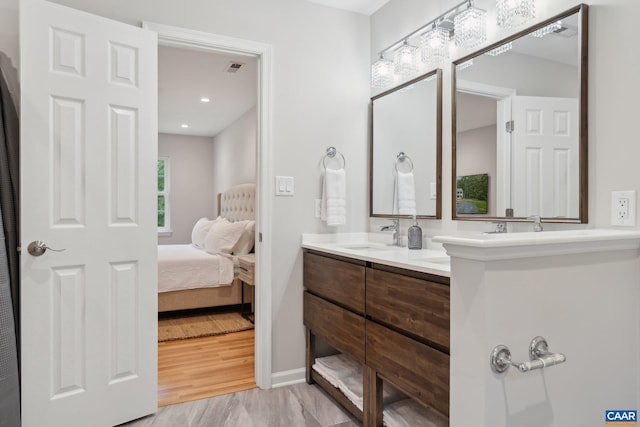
(291, 406)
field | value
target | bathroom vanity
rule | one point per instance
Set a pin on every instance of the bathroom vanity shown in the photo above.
(387, 308)
(426, 324)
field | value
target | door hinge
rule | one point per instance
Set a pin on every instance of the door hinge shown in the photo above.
(509, 126)
(260, 237)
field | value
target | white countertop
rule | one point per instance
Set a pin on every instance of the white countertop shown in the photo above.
(370, 247)
(490, 247)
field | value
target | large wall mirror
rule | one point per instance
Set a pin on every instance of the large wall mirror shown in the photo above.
(406, 150)
(520, 125)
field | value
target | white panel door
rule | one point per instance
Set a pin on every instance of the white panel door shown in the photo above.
(545, 150)
(89, 150)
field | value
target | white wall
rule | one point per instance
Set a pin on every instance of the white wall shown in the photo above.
(584, 304)
(320, 95)
(234, 154)
(191, 183)
(613, 66)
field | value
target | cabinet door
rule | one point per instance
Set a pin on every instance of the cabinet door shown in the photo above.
(416, 306)
(338, 281)
(341, 328)
(418, 370)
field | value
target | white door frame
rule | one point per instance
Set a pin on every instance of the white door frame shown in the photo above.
(503, 97)
(186, 38)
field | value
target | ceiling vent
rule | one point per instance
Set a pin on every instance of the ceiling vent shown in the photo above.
(233, 67)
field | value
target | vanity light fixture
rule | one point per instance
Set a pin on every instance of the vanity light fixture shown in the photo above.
(382, 73)
(501, 49)
(465, 64)
(205, 100)
(470, 27)
(435, 42)
(405, 59)
(184, 125)
(514, 13)
(547, 30)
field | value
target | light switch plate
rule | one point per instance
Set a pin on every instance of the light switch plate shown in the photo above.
(284, 186)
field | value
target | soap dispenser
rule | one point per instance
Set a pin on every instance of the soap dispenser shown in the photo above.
(415, 235)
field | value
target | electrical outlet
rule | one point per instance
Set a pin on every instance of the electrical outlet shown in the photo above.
(318, 207)
(623, 208)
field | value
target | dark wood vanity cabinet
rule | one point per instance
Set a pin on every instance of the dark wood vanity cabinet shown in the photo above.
(393, 321)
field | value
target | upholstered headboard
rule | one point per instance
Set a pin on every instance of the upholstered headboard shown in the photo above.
(238, 203)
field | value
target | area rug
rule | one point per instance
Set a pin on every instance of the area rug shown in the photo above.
(202, 325)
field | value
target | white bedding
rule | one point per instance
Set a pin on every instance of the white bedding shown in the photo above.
(188, 267)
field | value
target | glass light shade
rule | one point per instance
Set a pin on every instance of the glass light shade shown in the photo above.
(515, 13)
(434, 45)
(470, 27)
(463, 65)
(382, 74)
(547, 30)
(405, 59)
(501, 49)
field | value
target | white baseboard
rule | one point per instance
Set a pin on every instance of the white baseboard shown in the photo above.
(284, 378)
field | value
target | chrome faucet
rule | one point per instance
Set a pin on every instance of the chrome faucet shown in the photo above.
(395, 227)
(501, 227)
(537, 226)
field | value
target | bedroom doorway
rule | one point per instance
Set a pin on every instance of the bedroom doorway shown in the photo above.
(244, 52)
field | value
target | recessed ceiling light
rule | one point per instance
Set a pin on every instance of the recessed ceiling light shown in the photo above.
(184, 125)
(204, 99)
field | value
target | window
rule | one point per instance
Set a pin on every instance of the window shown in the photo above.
(164, 223)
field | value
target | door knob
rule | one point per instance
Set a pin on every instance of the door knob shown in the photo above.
(37, 248)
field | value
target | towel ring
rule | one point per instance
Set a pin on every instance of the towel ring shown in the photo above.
(331, 153)
(401, 158)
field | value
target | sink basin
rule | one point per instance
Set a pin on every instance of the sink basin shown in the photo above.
(365, 247)
(443, 260)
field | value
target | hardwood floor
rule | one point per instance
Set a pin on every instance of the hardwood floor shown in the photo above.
(199, 368)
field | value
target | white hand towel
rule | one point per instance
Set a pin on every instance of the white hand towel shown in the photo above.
(405, 193)
(334, 197)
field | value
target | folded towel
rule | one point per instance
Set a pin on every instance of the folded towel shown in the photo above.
(405, 200)
(334, 197)
(345, 373)
(409, 413)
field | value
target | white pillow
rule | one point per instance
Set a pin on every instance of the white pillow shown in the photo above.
(223, 236)
(247, 239)
(200, 230)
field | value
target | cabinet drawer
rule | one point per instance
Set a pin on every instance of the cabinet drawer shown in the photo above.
(414, 305)
(341, 328)
(417, 369)
(338, 281)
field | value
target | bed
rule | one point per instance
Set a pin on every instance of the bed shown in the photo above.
(204, 272)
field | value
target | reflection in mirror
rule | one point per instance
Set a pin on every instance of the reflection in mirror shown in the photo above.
(519, 125)
(405, 150)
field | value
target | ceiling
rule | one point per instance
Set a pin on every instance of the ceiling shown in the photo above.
(187, 75)
(365, 7)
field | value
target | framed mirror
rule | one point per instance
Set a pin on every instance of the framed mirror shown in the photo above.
(519, 140)
(405, 154)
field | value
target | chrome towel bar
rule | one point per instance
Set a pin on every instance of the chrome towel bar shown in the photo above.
(539, 355)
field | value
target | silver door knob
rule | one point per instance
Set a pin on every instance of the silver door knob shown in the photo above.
(37, 248)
